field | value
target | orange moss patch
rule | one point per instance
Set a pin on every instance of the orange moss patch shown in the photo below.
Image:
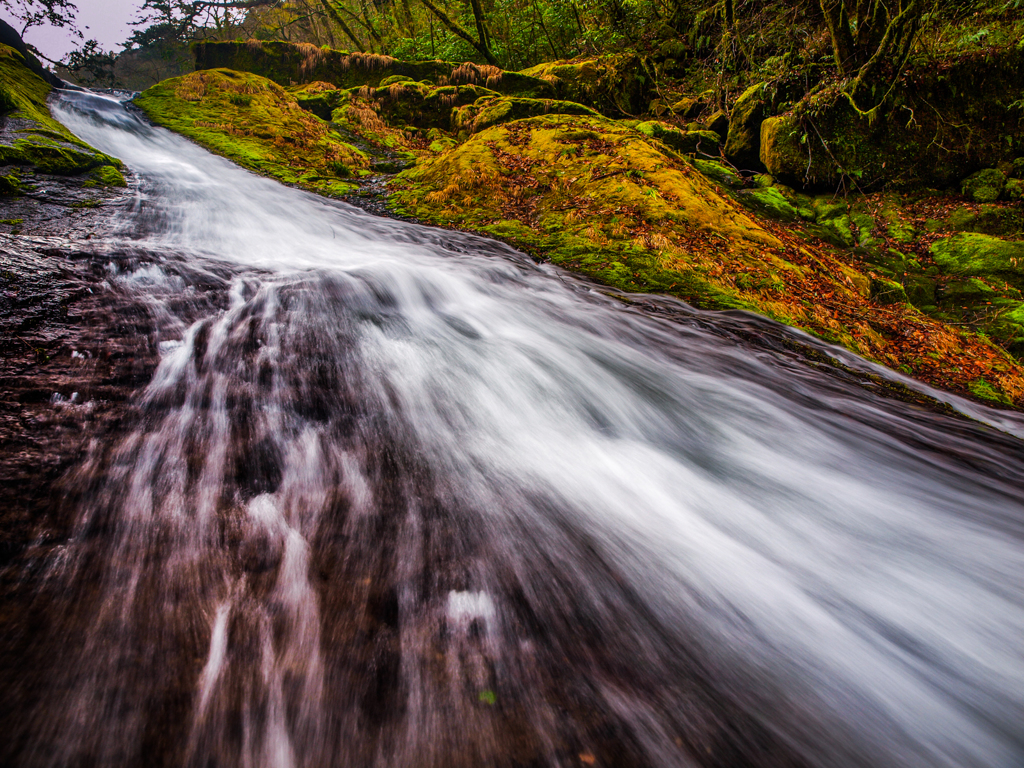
(602, 199)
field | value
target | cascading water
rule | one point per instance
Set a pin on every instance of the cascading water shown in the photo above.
(406, 499)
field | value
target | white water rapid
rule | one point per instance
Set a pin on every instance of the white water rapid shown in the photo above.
(400, 497)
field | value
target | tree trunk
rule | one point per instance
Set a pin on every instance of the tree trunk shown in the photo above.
(480, 45)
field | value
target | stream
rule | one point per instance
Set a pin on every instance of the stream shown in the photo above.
(399, 496)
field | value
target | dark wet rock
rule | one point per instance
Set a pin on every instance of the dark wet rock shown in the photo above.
(718, 122)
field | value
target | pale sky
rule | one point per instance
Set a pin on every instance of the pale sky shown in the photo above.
(107, 21)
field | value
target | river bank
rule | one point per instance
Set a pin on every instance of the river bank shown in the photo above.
(922, 281)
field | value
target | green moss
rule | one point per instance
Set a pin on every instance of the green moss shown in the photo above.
(999, 220)
(46, 144)
(981, 389)
(974, 254)
(687, 142)
(494, 110)
(743, 142)
(9, 185)
(769, 202)
(984, 186)
(717, 172)
(270, 134)
(614, 84)
(442, 145)
(886, 291)
(783, 148)
(107, 176)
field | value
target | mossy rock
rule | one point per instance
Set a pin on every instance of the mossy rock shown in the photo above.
(743, 142)
(290, 64)
(718, 172)
(688, 109)
(769, 202)
(783, 148)
(267, 131)
(627, 179)
(614, 84)
(975, 254)
(107, 176)
(44, 143)
(718, 122)
(998, 220)
(50, 158)
(985, 186)
(687, 142)
(942, 124)
(489, 111)
(886, 291)
(1014, 190)
(1016, 169)
(9, 185)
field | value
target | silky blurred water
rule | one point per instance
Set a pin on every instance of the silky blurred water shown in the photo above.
(409, 499)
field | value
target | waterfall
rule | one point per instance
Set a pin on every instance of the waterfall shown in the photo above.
(406, 498)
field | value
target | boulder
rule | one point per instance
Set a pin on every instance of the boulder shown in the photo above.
(783, 150)
(743, 141)
(687, 142)
(489, 111)
(979, 255)
(719, 123)
(985, 186)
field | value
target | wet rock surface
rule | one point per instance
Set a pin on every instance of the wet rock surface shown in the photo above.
(76, 348)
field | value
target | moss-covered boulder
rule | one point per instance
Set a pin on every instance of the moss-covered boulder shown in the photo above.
(688, 142)
(718, 122)
(42, 143)
(1000, 220)
(257, 124)
(289, 64)
(769, 202)
(981, 255)
(743, 142)
(601, 198)
(410, 103)
(614, 84)
(886, 291)
(943, 122)
(985, 186)
(688, 108)
(494, 110)
(1014, 190)
(783, 148)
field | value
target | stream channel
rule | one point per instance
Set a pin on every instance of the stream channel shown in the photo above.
(397, 496)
